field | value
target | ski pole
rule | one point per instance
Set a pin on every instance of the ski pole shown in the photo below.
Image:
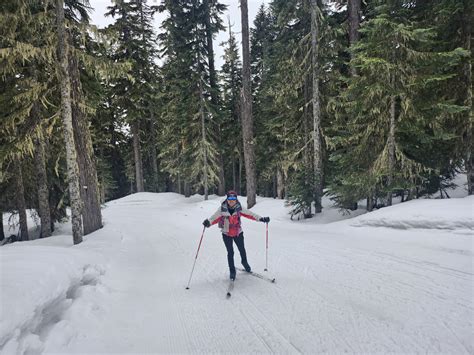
(199, 247)
(266, 251)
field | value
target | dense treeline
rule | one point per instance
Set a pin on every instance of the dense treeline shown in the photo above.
(359, 100)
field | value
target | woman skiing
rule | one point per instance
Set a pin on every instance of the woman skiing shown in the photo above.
(228, 217)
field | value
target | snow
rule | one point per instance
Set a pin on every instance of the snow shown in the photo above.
(456, 215)
(399, 280)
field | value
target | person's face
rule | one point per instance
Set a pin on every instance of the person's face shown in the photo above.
(231, 203)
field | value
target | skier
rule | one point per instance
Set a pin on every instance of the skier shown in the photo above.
(228, 217)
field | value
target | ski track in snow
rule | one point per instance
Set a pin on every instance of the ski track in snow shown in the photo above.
(337, 290)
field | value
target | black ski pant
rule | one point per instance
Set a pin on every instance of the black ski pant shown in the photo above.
(239, 241)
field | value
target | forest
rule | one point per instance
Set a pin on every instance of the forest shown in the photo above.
(358, 100)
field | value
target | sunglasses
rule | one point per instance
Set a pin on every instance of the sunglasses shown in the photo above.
(232, 198)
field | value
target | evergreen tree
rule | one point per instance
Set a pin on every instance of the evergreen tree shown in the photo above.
(189, 116)
(262, 37)
(392, 121)
(213, 24)
(285, 103)
(247, 115)
(135, 44)
(231, 78)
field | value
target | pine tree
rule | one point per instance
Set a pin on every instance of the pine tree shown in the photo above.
(247, 118)
(188, 140)
(389, 107)
(467, 79)
(285, 99)
(38, 100)
(262, 36)
(231, 78)
(133, 26)
(213, 24)
(79, 56)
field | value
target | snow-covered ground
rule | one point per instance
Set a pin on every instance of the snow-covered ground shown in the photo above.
(397, 280)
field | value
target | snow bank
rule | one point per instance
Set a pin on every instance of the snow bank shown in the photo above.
(450, 214)
(39, 284)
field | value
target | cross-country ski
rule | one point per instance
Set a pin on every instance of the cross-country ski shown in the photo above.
(260, 276)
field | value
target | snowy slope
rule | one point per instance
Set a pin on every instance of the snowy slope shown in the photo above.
(396, 280)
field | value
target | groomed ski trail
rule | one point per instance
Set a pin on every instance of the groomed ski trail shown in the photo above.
(337, 290)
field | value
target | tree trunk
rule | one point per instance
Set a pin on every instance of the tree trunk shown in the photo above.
(221, 185)
(467, 76)
(370, 204)
(317, 136)
(307, 133)
(154, 156)
(354, 36)
(234, 175)
(137, 154)
(204, 142)
(239, 182)
(20, 200)
(280, 183)
(391, 150)
(247, 119)
(66, 116)
(354, 24)
(90, 194)
(43, 192)
(2, 231)
(354, 20)
(187, 189)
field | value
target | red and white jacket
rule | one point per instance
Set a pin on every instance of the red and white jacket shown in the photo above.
(230, 224)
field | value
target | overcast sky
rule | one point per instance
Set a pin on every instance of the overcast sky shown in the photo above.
(233, 11)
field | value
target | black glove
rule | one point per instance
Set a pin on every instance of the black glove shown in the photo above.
(265, 219)
(206, 223)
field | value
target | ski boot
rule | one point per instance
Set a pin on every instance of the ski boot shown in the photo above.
(232, 274)
(247, 266)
